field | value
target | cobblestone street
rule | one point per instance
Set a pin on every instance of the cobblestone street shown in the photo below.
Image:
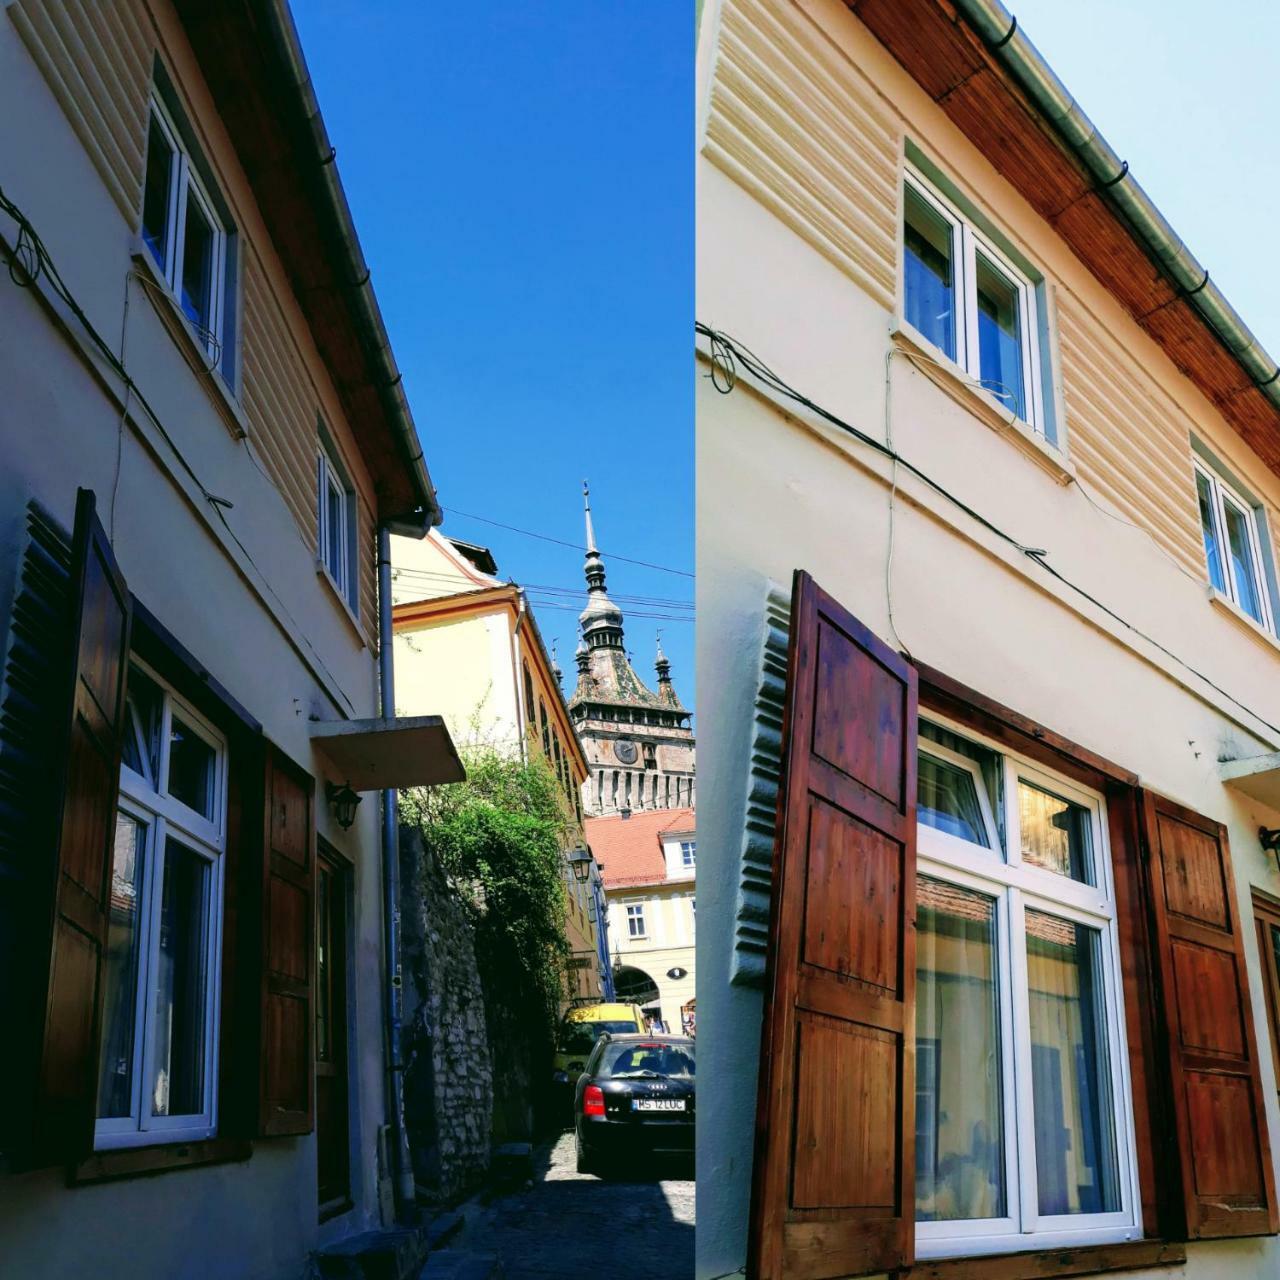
(630, 1225)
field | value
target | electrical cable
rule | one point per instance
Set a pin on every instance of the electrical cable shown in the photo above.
(575, 546)
(742, 355)
(28, 262)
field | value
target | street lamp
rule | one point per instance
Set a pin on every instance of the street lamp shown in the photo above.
(345, 802)
(580, 861)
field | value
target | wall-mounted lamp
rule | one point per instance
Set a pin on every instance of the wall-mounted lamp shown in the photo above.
(1269, 837)
(345, 802)
(580, 861)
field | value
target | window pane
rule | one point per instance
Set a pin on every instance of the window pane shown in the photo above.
(1076, 1166)
(142, 733)
(959, 1128)
(324, 925)
(1056, 834)
(1209, 527)
(1000, 336)
(947, 799)
(177, 1087)
(929, 273)
(1243, 567)
(335, 528)
(124, 934)
(155, 194)
(192, 770)
(197, 266)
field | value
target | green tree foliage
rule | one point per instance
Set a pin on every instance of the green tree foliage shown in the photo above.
(499, 836)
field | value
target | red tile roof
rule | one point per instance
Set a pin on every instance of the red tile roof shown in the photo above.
(629, 850)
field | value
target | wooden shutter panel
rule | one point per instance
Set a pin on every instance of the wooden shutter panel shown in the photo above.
(832, 1189)
(286, 1085)
(98, 654)
(1216, 1096)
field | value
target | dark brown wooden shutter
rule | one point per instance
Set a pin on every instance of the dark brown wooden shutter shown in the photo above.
(1216, 1097)
(286, 1086)
(98, 656)
(832, 1189)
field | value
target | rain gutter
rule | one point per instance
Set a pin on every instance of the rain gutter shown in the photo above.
(355, 270)
(1005, 41)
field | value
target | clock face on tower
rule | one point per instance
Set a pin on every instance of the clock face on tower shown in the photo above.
(625, 751)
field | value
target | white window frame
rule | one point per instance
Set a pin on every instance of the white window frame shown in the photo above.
(637, 918)
(966, 243)
(184, 182)
(1222, 492)
(1015, 887)
(163, 817)
(329, 476)
(688, 854)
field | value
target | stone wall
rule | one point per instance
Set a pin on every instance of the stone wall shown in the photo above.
(449, 1074)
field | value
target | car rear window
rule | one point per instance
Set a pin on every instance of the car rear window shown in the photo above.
(635, 1061)
(581, 1037)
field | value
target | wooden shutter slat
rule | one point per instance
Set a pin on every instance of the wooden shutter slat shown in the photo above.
(286, 1102)
(832, 1190)
(98, 656)
(1215, 1093)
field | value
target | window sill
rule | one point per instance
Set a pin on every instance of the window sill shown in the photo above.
(322, 572)
(156, 287)
(133, 1162)
(1226, 605)
(951, 378)
(1044, 1264)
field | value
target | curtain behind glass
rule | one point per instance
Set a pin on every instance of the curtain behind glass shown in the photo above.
(959, 1130)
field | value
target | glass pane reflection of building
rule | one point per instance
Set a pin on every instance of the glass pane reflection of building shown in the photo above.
(959, 1132)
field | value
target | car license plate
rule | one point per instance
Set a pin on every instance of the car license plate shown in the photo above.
(657, 1104)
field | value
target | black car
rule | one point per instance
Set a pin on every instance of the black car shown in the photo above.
(635, 1098)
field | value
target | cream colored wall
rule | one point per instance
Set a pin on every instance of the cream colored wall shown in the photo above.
(670, 921)
(461, 668)
(428, 568)
(777, 490)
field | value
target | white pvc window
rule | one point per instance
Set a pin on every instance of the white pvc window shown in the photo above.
(1024, 1128)
(158, 1069)
(967, 299)
(182, 232)
(635, 920)
(1232, 529)
(688, 853)
(336, 508)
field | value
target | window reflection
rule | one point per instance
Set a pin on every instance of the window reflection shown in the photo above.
(1055, 833)
(959, 1129)
(930, 273)
(1076, 1166)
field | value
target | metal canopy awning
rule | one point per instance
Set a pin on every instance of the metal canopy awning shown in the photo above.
(1257, 776)
(398, 752)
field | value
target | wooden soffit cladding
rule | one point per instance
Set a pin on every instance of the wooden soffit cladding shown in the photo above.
(950, 63)
(261, 112)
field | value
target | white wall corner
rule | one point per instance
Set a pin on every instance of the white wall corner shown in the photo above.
(755, 870)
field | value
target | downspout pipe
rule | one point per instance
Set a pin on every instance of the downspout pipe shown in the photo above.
(406, 1191)
(357, 277)
(1007, 43)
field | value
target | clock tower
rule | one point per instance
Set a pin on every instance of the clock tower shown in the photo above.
(638, 741)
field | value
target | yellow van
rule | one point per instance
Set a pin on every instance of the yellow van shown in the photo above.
(581, 1028)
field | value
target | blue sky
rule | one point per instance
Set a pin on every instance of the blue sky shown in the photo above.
(521, 178)
(1190, 97)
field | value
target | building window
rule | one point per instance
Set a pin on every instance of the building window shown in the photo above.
(184, 234)
(966, 298)
(635, 920)
(1266, 912)
(529, 711)
(1017, 969)
(688, 853)
(1234, 531)
(337, 536)
(158, 1069)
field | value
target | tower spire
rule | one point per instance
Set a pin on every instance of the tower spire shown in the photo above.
(601, 620)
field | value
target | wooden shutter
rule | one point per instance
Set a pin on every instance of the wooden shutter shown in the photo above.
(97, 657)
(833, 1190)
(286, 1085)
(1216, 1097)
